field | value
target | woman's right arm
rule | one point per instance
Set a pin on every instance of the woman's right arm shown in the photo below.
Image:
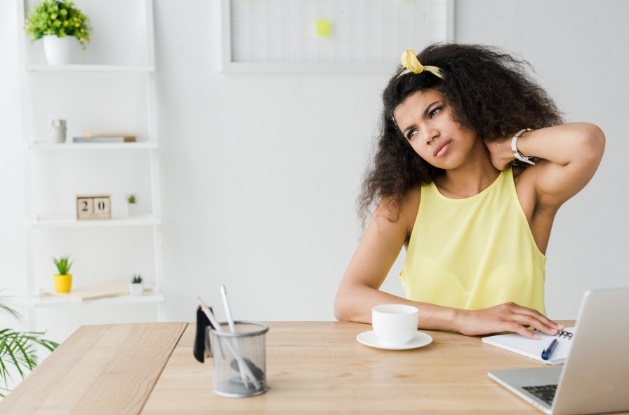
(378, 249)
(359, 290)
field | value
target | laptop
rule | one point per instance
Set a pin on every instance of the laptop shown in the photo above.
(595, 376)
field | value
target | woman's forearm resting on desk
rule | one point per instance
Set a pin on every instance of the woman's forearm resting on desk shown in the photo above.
(355, 304)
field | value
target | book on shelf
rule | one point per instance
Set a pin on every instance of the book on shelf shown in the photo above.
(104, 139)
(89, 136)
(112, 133)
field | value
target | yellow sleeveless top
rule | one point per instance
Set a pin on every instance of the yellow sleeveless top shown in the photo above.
(474, 253)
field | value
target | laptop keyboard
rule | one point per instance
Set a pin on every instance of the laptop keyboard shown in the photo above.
(545, 392)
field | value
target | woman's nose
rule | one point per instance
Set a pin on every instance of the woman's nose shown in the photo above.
(428, 134)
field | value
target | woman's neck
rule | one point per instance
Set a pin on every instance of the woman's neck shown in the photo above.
(474, 176)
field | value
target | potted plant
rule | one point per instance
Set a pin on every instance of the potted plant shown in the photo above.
(60, 24)
(132, 205)
(63, 280)
(18, 354)
(136, 287)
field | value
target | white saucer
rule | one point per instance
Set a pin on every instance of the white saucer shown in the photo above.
(368, 338)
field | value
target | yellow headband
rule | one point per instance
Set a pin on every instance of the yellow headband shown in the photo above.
(412, 64)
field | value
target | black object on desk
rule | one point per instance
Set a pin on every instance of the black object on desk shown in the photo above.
(201, 348)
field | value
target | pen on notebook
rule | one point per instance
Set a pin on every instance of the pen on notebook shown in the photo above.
(548, 351)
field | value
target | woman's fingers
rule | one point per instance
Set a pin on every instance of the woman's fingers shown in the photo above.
(507, 317)
(534, 319)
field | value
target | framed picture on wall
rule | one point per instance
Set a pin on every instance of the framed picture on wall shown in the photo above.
(329, 35)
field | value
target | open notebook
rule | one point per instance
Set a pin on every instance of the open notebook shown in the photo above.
(531, 348)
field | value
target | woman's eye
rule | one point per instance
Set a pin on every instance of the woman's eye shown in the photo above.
(434, 112)
(411, 134)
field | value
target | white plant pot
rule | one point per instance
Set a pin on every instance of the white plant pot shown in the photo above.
(59, 50)
(132, 209)
(136, 290)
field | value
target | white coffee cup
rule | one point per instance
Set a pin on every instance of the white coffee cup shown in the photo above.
(394, 324)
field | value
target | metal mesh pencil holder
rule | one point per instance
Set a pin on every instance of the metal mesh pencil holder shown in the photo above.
(239, 359)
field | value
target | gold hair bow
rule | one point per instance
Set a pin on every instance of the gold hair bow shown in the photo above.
(412, 64)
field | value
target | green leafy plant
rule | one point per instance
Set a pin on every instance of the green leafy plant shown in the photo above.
(137, 279)
(18, 352)
(131, 199)
(58, 18)
(63, 264)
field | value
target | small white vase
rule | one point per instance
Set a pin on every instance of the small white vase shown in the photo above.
(59, 50)
(132, 209)
(58, 131)
(136, 289)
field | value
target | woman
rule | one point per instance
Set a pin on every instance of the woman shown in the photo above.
(473, 163)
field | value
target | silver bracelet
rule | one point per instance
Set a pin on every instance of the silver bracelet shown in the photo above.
(516, 152)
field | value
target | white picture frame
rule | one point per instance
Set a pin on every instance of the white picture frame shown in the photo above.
(366, 35)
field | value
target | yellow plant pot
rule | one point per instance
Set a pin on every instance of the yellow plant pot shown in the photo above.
(63, 283)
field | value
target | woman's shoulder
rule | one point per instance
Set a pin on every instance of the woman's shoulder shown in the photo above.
(412, 197)
(401, 211)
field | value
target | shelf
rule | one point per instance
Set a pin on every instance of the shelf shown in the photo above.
(71, 222)
(111, 85)
(93, 146)
(90, 68)
(51, 301)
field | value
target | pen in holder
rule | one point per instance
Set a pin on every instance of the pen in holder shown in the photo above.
(230, 321)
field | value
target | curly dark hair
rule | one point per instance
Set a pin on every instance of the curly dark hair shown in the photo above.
(488, 91)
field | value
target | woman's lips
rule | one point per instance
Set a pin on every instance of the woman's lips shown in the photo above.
(442, 148)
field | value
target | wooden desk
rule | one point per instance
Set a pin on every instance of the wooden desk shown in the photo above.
(312, 367)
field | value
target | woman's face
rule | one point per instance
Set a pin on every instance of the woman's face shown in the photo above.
(426, 121)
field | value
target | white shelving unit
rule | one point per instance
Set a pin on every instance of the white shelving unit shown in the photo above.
(111, 88)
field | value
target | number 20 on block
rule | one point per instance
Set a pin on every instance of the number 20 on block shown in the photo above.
(93, 207)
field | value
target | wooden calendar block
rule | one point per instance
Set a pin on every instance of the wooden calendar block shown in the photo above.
(93, 206)
(84, 207)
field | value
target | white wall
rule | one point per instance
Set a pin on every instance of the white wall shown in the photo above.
(12, 237)
(260, 171)
(260, 174)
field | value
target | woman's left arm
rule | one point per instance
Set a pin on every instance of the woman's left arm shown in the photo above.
(569, 156)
